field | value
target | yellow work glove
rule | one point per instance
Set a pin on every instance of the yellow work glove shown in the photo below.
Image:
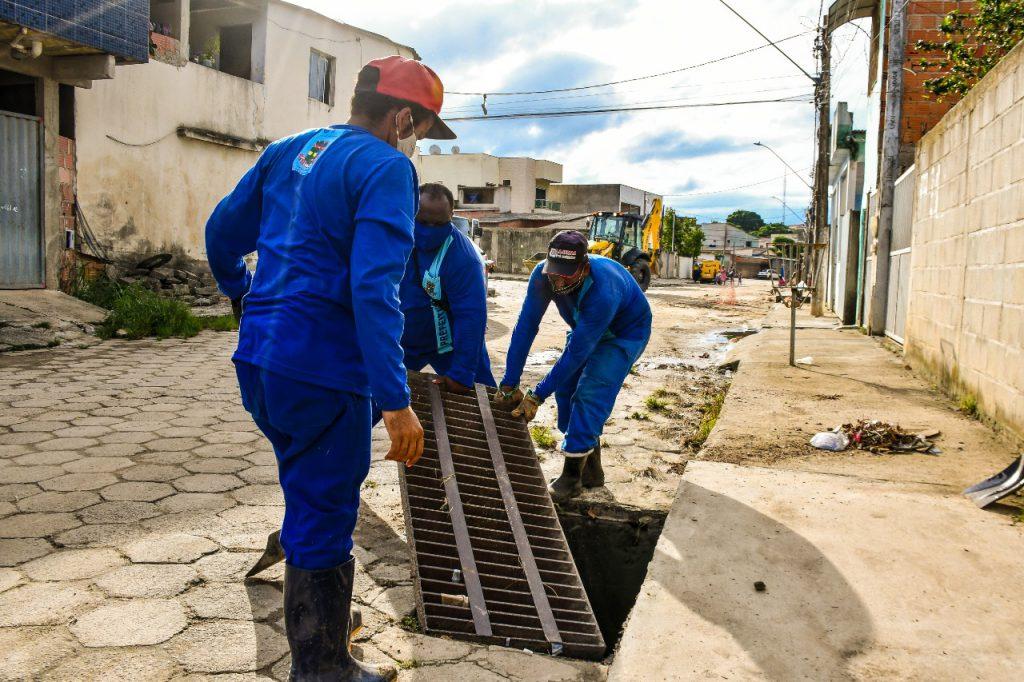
(508, 395)
(527, 407)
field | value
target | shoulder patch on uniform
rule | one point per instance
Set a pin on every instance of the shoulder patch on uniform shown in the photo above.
(314, 149)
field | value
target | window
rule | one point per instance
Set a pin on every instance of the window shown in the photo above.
(478, 195)
(321, 77)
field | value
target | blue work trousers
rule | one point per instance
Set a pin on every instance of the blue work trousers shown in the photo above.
(586, 399)
(441, 362)
(321, 437)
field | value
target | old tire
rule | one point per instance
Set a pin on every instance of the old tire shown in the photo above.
(641, 271)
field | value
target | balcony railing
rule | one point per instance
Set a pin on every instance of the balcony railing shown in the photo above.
(550, 205)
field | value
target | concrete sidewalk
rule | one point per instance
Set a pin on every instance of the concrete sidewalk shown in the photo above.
(874, 566)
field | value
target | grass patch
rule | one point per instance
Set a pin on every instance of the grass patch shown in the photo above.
(42, 325)
(655, 403)
(137, 312)
(640, 416)
(969, 406)
(708, 418)
(543, 437)
(411, 623)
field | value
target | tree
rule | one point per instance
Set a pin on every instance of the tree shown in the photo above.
(780, 245)
(974, 43)
(681, 235)
(770, 229)
(748, 221)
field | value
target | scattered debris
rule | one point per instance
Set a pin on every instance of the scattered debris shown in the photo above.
(827, 396)
(760, 586)
(807, 360)
(1003, 484)
(544, 357)
(662, 362)
(876, 436)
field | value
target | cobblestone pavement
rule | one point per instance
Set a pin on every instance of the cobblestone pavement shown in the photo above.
(134, 494)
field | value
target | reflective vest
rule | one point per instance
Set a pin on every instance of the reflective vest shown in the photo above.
(433, 289)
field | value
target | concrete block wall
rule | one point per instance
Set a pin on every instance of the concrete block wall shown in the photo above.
(965, 323)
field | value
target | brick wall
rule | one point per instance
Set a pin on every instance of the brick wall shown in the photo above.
(965, 323)
(920, 109)
(66, 182)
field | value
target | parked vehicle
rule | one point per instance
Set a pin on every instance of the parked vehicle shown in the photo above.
(631, 239)
(766, 274)
(708, 272)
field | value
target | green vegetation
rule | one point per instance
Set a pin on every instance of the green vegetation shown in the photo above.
(542, 436)
(411, 623)
(973, 43)
(748, 221)
(42, 325)
(772, 229)
(681, 235)
(654, 403)
(137, 312)
(709, 417)
(969, 406)
(640, 416)
(407, 664)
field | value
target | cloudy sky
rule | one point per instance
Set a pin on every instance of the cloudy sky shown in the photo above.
(704, 159)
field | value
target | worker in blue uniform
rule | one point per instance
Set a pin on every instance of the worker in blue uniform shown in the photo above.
(444, 298)
(330, 212)
(610, 324)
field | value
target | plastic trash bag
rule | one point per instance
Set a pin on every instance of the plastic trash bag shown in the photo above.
(830, 440)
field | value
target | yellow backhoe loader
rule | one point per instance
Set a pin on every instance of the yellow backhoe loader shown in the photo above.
(630, 239)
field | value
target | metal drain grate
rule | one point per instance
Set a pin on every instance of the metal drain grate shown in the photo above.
(491, 561)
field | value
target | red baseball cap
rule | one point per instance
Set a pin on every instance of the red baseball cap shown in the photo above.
(410, 80)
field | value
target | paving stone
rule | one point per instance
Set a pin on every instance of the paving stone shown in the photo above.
(260, 474)
(67, 444)
(207, 483)
(148, 580)
(119, 512)
(147, 664)
(193, 422)
(233, 601)
(28, 474)
(41, 426)
(223, 450)
(19, 550)
(95, 421)
(138, 622)
(227, 646)
(157, 473)
(163, 407)
(24, 438)
(47, 458)
(396, 602)
(7, 508)
(525, 666)
(181, 502)
(167, 458)
(234, 437)
(215, 465)
(175, 548)
(226, 566)
(73, 564)
(44, 604)
(14, 450)
(143, 491)
(128, 437)
(114, 450)
(27, 651)
(58, 502)
(173, 444)
(17, 491)
(116, 411)
(463, 672)
(407, 646)
(97, 464)
(9, 578)
(259, 494)
(79, 481)
(182, 432)
(82, 431)
(150, 427)
(36, 525)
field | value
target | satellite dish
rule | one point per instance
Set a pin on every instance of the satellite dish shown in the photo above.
(435, 149)
(455, 149)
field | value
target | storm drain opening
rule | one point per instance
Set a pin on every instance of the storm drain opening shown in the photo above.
(612, 548)
(491, 562)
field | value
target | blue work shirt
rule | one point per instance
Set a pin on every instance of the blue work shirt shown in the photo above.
(330, 211)
(464, 291)
(614, 303)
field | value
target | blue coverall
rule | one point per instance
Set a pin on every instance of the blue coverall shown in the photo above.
(464, 289)
(610, 321)
(331, 213)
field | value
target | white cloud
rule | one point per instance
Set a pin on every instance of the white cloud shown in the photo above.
(482, 45)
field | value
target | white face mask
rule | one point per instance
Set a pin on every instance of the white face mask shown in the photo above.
(406, 145)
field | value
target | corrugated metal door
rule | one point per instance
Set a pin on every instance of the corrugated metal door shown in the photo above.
(21, 224)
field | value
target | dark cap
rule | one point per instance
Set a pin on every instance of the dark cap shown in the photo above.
(566, 253)
(410, 80)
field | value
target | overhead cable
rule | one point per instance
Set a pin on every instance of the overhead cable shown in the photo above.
(611, 110)
(770, 41)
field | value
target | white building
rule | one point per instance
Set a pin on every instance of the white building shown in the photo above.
(484, 184)
(161, 143)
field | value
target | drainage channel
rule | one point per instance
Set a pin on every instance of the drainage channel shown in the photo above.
(612, 547)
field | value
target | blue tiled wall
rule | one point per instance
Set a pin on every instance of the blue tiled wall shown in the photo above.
(120, 27)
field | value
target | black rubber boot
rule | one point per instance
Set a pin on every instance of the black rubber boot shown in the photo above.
(593, 474)
(317, 610)
(568, 485)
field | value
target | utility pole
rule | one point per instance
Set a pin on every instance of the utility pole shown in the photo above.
(889, 165)
(822, 98)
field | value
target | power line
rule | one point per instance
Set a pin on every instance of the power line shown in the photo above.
(770, 42)
(625, 80)
(729, 189)
(610, 110)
